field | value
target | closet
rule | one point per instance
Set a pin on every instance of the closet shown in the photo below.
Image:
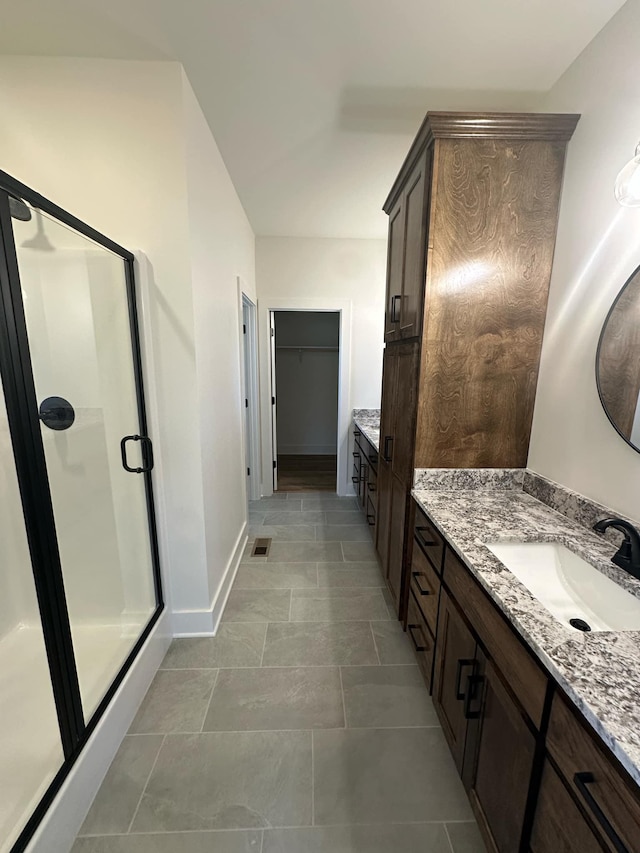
(472, 226)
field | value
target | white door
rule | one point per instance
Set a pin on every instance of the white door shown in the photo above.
(245, 391)
(274, 437)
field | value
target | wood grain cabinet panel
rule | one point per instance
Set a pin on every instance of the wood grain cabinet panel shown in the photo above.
(455, 663)
(559, 826)
(395, 268)
(499, 759)
(472, 224)
(397, 533)
(604, 793)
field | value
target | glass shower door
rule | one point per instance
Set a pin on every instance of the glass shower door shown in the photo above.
(76, 300)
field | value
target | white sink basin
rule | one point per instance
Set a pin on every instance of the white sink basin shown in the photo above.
(568, 586)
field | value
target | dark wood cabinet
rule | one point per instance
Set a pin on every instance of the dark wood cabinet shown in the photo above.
(397, 532)
(499, 758)
(365, 478)
(472, 221)
(455, 664)
(395, 267)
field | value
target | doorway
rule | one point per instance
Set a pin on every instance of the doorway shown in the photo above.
(249, 373)
(305, 379)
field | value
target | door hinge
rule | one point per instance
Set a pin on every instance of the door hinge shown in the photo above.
(246, 403)
(275, 464)
(272, 332)
(244, 329)
(273, 401)
(248, 472)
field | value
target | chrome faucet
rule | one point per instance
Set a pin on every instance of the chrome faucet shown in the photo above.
(628, 555)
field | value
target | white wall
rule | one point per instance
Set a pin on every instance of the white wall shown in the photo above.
(331, 272)
(124, 146)
(598, 247)
(222, 247)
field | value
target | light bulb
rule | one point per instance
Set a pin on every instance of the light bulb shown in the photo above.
(627, 186)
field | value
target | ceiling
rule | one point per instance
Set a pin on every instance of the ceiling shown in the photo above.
(313, 103)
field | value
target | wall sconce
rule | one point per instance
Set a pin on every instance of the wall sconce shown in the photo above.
(627, 186)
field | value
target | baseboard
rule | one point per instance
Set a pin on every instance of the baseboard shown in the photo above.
(64, 818)
(199, 623)
(306, 449)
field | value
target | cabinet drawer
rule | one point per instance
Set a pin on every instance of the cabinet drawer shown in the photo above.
(520, 670)
(421, 639)
(372, 487)
(425, 585)
(559, 826)
(428, 538)
(611, 801)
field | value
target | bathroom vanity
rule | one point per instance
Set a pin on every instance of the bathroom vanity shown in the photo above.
(543, 720)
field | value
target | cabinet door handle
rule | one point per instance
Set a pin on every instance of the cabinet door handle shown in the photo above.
(388, 440)
(394, 313)
(473, 681)
(355, 454)
(462, 662)
(581, 780)
(421, 540)
(371, 488)
(371, 520)
(422, 591)
(355, 479)
(418, 647)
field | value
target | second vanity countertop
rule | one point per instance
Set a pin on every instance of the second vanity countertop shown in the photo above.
(368, 422)
(599, 671)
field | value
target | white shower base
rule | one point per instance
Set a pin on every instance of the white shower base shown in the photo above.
(30, 748)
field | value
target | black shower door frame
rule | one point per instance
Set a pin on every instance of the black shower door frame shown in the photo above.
(17, 378)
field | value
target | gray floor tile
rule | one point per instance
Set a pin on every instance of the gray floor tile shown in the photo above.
(276, 576)
(337, 604)
(394, 838)
(176, 701)
(274, 699)
(465, 838)
(284, 532)
(218, 780)
(391, 607)
(256, 517)
(305, 517)
(304, 552)
(224, 841)
(276, 496)
(345, 517)
(359, 551)
(385, 776)
(234, 645)
(386, 696)
(392, 643)
(348, 575)
(263, 605)
(329, 503)
(276, 503)
(364, 564)
(343, 533)
(118, 797)
(319, 644)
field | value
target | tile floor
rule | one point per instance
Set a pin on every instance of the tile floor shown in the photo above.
(302, 727)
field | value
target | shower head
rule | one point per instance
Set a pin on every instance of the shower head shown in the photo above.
(39, 241)
(18, 209)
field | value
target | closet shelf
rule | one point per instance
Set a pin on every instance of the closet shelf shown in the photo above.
(314, 349)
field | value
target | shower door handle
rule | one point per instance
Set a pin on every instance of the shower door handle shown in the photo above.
(147, 453)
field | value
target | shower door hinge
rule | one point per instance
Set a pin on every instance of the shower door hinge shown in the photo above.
(248, 472)
(244, 329)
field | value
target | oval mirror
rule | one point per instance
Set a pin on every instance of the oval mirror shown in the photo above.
(618, 362)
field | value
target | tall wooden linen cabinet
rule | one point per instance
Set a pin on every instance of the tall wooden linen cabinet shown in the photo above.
(472, 227)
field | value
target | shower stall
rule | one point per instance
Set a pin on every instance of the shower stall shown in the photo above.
(79, 573)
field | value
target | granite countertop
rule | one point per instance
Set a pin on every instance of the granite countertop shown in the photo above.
(599, 671)
(368, 422)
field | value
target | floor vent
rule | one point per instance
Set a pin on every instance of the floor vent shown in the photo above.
(261, 548)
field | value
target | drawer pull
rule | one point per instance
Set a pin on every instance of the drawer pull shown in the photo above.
(417, 646)
(371, 488)
(581, 780)
(421, 540)
(371, 520)
(473, 681)
(355, 479)
(462, 662)
(422, 591)
(386, 453)
(356, 455)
